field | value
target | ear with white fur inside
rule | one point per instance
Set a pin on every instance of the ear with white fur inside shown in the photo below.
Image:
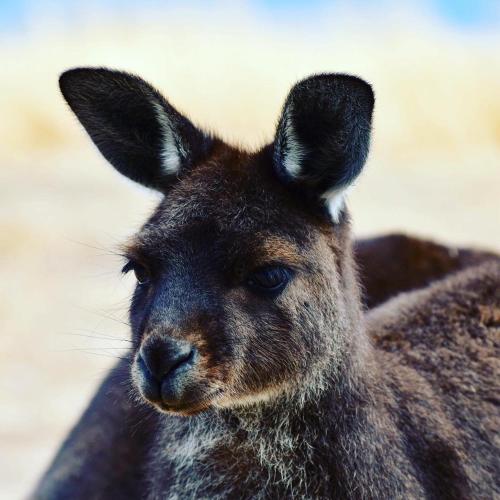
(133, 125)
(323, 136)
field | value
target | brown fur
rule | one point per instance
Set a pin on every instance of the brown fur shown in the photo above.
(448, 390)
(288, 390)
(397, 262)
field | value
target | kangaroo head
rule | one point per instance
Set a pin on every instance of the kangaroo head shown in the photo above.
(245, 286)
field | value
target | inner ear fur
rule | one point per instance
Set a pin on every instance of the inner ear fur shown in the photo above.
(135, 128)
(323, 135)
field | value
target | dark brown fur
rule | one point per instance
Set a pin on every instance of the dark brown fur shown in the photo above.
(447, 394)
(294, 394)
(397, 263)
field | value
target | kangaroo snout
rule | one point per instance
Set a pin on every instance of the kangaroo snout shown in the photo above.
(163, 366)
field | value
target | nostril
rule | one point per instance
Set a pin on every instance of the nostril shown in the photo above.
(143, 365)
(176, 362)
(173, 383)
(183, 359)
(150, 386)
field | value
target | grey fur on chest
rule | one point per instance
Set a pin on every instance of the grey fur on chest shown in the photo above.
(208, 457)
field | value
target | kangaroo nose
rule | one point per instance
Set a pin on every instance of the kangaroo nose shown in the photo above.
(164, 357)
(165, 365)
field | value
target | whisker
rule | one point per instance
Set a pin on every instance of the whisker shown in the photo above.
(104, 315)
(112, 318)
(97, 348)
(105, 251)
(90, 351)
(96, 336)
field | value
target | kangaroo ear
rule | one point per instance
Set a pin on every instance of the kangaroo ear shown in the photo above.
(134, 127)
(323, 136)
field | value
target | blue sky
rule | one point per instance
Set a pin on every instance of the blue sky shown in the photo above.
(462, 14)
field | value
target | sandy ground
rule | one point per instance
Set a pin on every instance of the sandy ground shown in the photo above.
(434, 171)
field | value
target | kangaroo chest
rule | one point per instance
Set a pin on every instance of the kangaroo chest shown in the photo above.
(206, 461)
(214, 463)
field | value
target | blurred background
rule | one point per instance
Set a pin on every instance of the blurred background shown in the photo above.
(433, 171)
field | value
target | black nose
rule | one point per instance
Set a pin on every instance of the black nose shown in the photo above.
(164, 363)
(163, 356)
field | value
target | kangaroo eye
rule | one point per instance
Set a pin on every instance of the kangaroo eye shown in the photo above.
(269, 279)
(141, 272)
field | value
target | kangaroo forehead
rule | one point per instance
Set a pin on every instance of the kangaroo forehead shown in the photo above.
(232, 204)
(234, 191)
(237, 196)
(207, 237)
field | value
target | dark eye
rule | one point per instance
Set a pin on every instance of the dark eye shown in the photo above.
(269, 279)
(141, 272)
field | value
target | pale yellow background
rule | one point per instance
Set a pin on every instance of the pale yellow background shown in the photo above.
(433, 170)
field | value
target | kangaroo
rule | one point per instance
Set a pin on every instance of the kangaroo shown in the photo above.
(394, 263)
(254, 371)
